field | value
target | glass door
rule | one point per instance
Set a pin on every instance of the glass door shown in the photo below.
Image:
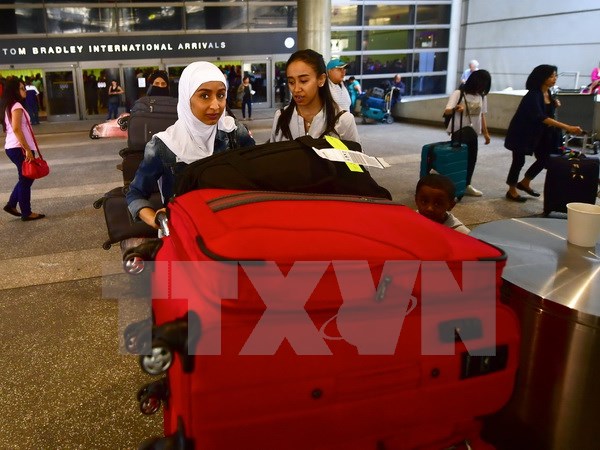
(61, 98)
(281, 96)
(260, 79)
(94, 83)
(136, 82)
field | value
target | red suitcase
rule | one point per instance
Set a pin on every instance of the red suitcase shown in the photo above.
(297, 321)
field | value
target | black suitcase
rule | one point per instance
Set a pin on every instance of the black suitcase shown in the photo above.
(570, 179)
(287, 166)
(119, 223)
(150, 115)
(131, 160)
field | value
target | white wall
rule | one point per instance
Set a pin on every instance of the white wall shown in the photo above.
(510, 37)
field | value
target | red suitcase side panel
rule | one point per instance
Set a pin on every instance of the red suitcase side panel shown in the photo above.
(300, 401)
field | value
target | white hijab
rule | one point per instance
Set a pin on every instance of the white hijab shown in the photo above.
(189, 138)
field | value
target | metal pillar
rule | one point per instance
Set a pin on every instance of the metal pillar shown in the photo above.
(453, 46)
(314, 26)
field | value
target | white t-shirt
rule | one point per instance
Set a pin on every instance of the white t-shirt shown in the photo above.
(340, 95)
(345, 127)
(31, 87)
(466, 74)
(477, 107)
(455, 224)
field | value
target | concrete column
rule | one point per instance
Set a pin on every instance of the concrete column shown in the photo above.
(314, 26)
(453, 46)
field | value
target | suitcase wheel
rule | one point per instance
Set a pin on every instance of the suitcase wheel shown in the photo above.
(389, 119)
(123, 122)
(137, 337)
(93, 134)
(133, 264)
(98, 203)
(107, 245)
(159, 360)
(152, 395)
(176, 441)
(149, 404)
(134, 257)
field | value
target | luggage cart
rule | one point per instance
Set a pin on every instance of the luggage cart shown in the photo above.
(580, 109)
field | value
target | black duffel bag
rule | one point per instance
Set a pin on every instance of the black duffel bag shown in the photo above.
(287, 166)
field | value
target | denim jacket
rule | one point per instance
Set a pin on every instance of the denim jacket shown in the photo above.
(160, 165)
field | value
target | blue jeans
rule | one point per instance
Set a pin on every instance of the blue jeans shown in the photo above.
(113, 110)
(244, 104)
(21, 193)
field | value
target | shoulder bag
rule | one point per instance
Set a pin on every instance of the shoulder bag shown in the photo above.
(37, 167)
(465, 134)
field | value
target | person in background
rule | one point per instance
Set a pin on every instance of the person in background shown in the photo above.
(435, 198)
(202, 129)
(355, 91)
(114, 99)
(281, 87)
(39, 85)
(470, 102)
(594, 86)
(312, 109)
(245, 92)
(532, 131)
(32, 102)
(19, 146)
(399, 90)
(336, 71)
(473, 66)
(159, 84)
(90, 87)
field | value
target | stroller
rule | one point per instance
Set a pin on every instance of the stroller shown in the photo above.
(376, 105)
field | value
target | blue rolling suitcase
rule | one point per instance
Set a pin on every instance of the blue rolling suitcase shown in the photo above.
(447, 158)
(450, 158)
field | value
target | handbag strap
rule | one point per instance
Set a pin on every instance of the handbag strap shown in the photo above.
(467, 108)
(37, 148)
(452, 142)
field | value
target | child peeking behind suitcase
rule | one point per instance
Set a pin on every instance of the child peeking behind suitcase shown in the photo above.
(435, 198)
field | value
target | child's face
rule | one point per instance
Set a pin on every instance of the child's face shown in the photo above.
(433, 203)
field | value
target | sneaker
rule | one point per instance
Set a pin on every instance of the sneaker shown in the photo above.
(471, 191)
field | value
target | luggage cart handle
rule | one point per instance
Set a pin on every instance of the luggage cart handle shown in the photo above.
(163, 222)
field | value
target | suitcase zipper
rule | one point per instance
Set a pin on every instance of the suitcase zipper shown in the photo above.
(245, 198)
(248, 197)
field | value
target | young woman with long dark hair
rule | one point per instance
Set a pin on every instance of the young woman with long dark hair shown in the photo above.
(20, 146)
(311, 110)
(532, 131)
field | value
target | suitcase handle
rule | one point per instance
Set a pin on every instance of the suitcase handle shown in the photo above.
(162, 221)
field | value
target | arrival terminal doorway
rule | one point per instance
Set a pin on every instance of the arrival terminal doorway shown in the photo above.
(58, 92)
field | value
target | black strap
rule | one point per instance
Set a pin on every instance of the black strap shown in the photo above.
(335, 121)
(456, 143)
(232, 137)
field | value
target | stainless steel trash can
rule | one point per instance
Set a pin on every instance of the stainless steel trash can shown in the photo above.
(554, 287)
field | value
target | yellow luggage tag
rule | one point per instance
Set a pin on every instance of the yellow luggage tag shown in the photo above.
(339, 145)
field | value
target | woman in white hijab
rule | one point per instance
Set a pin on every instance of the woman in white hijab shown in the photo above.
(202, 129)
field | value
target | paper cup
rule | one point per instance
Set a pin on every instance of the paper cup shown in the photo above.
(583, 224)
